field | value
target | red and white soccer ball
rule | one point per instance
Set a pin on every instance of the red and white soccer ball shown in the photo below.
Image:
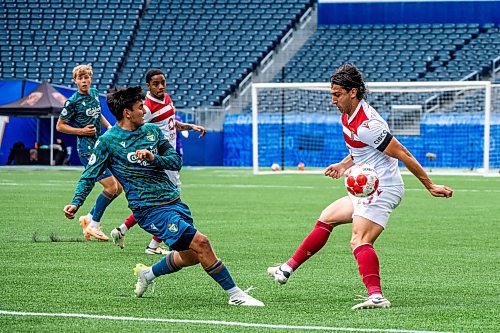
(361, 180)
(275, 167)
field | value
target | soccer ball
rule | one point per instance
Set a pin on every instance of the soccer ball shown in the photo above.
(275, 167)
(301, 166)
(361, 180)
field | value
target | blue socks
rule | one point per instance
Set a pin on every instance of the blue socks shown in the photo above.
(103, 201)
(165, 266)
(217, 271)
(221, 275)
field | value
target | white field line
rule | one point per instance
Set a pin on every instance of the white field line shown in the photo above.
(242, 186)
(210, 322)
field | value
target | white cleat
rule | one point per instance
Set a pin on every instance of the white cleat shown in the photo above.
(244, 299)
(278, 274)
(157, 250)
(142, 283)
(372, 302)
(118, 238)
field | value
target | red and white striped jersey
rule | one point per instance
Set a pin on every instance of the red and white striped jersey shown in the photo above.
(366, 135)
(161, 113)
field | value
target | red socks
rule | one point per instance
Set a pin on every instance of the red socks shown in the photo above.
(369, 268)
(130, 221)
(311, 244)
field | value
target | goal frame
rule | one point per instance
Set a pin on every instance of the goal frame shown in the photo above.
(375, 87)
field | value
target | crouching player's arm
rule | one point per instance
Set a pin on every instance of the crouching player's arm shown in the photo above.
(167, 158)
(98, 162)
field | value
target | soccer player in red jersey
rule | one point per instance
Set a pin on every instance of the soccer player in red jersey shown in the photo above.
(160, 110)
(368, 138)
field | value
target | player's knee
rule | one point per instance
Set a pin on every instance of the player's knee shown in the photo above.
(201, 243)
(119, 189)
(114, 190)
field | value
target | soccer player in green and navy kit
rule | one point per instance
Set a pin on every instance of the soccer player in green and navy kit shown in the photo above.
(82, 116)
(138, 155)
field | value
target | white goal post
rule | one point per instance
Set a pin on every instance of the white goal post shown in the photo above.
(446, 125)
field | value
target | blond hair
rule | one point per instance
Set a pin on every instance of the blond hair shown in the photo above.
(82, 70)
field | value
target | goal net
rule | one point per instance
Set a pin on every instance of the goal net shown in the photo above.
(448, 126)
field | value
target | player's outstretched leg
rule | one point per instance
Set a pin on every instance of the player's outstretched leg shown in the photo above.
(216, 269)
(173, 262)
(310, 246)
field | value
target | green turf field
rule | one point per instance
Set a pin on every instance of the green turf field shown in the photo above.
(440, 259)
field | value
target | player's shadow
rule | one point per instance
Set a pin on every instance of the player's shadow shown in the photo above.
(53, 238)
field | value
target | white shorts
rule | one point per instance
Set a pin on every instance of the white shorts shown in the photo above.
(174, 177)
(379, 206)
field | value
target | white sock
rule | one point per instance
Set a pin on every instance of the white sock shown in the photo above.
(153, 244)
(149, 274)
(89, 217)
(234, 291)
(123, 229)
(94, 224)
(285, 268)
(376, 295)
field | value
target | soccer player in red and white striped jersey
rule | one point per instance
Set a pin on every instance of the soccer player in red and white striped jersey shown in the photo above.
(160, 110)
(369, 140)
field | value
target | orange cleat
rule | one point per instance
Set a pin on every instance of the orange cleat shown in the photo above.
(97, 233)
(85, 223)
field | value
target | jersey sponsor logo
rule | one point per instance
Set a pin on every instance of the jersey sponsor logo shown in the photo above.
(132, 158)
(172, 227)
(381, 137)
(93, 112)
(92, 159)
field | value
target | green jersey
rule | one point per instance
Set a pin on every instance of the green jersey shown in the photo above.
(82, 110)
(145, 183)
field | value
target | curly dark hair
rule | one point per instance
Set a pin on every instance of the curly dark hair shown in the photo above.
(152, 72)
(120, 99)
(348, 76)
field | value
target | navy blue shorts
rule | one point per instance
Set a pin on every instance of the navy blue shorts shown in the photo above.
(172, 223)
(85, 160)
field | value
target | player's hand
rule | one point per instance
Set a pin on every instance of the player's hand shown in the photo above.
(88, 130)
(199, 129)
(144, 155)
(70, 211)
(335, 170)
(441, 191)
